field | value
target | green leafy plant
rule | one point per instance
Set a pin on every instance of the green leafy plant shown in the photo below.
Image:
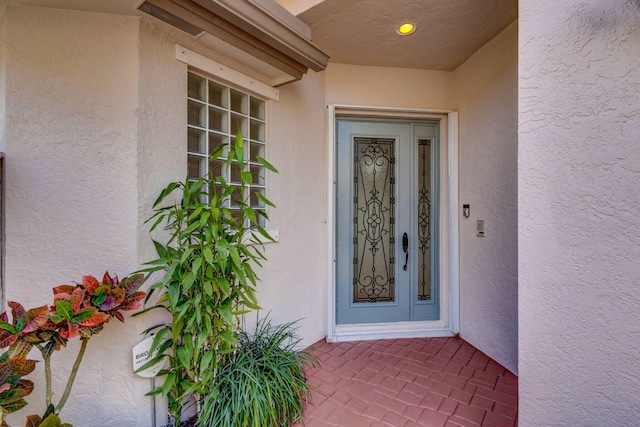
(19, 333)
(79, 310)
(49, 419)
(209, 279)
(263, 383)
(13, 388)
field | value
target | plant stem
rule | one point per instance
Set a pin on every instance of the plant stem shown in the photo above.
(47, 374)
(72, 376)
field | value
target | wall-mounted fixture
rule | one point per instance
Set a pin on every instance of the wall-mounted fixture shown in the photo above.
(480, 228)
(466, 211)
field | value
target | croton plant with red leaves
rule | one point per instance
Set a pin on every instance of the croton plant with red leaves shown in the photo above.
(13, 388)
(79, 310)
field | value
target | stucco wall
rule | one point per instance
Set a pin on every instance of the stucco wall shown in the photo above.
(388, 87)
(486, 96)
(294, 279)
(96, 128)
(292, 287)
(3, 75)
(3, 122)
(71, 192)
(579, 226)
(161, 157)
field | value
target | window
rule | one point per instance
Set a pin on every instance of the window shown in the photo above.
(215, 113)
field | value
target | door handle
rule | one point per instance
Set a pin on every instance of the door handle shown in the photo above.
(405, 248)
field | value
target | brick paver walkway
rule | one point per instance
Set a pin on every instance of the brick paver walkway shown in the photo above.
(434, 382)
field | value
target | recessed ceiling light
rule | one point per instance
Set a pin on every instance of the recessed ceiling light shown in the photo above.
(405, 29)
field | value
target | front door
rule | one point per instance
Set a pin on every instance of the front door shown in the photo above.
(387, 240)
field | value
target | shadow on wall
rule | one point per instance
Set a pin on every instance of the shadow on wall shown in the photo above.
(605, 15)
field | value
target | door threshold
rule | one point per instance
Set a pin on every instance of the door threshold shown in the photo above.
(392, 330)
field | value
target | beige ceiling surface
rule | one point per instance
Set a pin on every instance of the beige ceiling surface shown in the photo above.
(363, 32)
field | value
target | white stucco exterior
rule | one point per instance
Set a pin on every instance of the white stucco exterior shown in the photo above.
(92, 123)
(294, 280)
(486, 96)
(579, 227)
(388, 87)
(3, 79)
(71, 102)
(95, 129)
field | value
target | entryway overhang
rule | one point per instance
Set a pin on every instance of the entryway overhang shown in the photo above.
(259, 30)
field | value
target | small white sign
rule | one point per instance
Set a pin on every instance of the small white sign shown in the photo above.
(141, 355)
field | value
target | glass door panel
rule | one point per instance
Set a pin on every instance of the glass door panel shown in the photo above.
(424, 219)
(374, 220)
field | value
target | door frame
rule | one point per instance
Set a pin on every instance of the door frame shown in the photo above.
(449, 323)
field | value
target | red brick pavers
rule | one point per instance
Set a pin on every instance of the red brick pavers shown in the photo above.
(433, 382)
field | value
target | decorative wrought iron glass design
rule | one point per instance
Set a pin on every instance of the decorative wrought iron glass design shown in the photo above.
(373, 220)
(424, 219)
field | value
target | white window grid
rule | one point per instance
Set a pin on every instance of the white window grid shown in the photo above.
(215, 112)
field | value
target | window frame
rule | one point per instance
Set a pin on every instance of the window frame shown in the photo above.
(211, 122)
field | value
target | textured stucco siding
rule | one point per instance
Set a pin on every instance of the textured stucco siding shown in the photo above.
(3, 76)
(96, 124)
(486, 96)
(71, 194)
(294, 278)
(3, 128)
(162, 158)
(579, 224)
(388, 87)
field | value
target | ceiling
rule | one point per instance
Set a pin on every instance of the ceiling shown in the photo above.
(363, 32)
